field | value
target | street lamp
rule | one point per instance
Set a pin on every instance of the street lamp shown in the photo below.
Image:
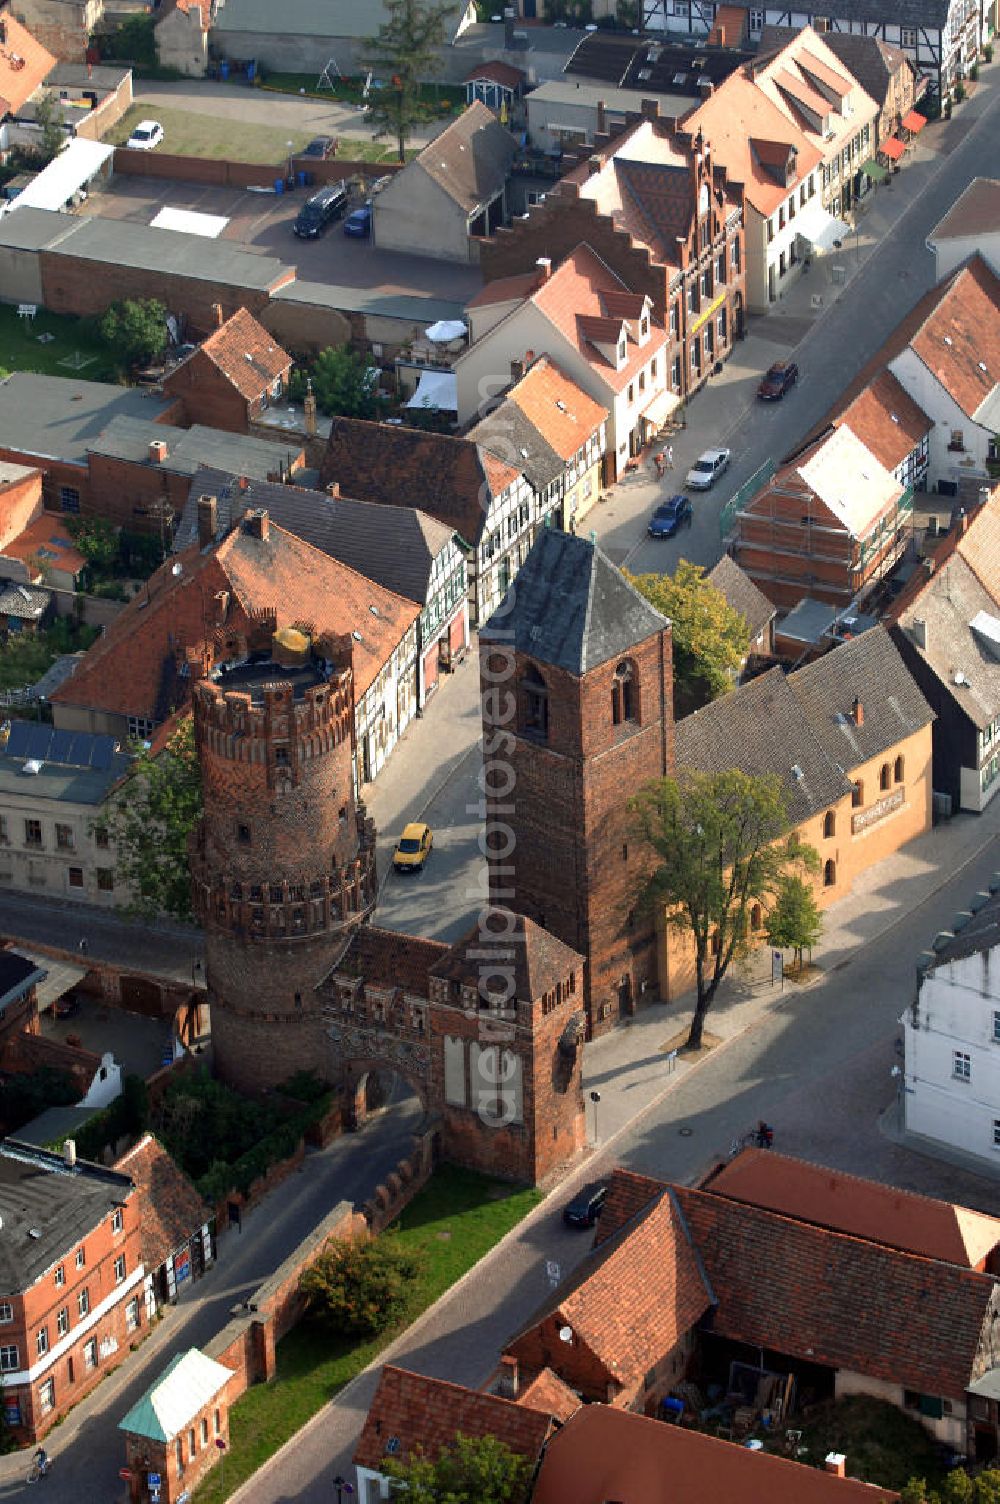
(595, 1097)
(344, 1489)
(290, 147)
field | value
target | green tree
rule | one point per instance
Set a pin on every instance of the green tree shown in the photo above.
(49, 115)
(957, 1488)
(150, 822)
(721, 842)
(402, 51)
(795, 922)
(97, 541)
(135, 329)
(344, 382)
(472, 1470)
(359, 1289)
(710, 639)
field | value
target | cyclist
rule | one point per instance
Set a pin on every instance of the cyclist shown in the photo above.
(42, 1458)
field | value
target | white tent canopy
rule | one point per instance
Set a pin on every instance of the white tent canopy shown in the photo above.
(436, 389)
(190, 222)
(445, 330)
(65, 175)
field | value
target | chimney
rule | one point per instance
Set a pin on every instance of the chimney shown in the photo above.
(602, 117)
(309, 410)
(544, 264)
(918, 631)
(705, 88)
(858, 712)
(69, 1152)
(243, 483)
(218, 315)
(963, 523)
(208, 520)
(509, 17)
(157, 451)
(507, 1378)
(333, 489)
(529, 356)
(836, 1463)
(649, 109)
(929, 566)
(516, 370)
(257, 523)
(595, 164)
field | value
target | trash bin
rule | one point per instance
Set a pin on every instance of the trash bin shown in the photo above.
(224, 70)
(251, 71)
(302, 178)
(279, 185)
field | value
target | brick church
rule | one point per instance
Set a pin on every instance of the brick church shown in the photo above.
(488, 1031)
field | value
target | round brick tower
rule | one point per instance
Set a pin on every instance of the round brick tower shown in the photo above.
(283, 859)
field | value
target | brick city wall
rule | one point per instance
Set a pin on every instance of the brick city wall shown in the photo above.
(223, 173)
(394, 1194)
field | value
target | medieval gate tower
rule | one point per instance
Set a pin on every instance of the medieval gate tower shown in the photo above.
(283, 861)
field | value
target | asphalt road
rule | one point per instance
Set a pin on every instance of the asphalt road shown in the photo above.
(87, 1449)
(161, 949)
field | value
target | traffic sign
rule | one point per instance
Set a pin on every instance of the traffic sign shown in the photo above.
(126, 1473)
(154, 1496)
(153, 1479)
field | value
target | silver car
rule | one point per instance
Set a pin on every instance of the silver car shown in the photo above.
(706, 469)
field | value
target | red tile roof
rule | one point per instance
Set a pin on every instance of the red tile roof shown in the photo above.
(24, 63)
(628, 1194)
(246, 354)
(507, 289)
(655, 1262)
(418, 1414)
(572, 299)
(959, 339)
(841, 1301)
(563, 413)
(547, 1392)
(132, 668)
(603, 1453)
(47, 543)
(863, 1208)
(886, 419)
(498, 73)
(387, 958)
(534, 961)
(170, 1209)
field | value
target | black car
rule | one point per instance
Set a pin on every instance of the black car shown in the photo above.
(587, 1205)
(780, 379)
(319, 146)
(319, 212)
(669, 517)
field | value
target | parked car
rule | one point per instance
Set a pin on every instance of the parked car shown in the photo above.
(669, 517)
(413, 848)
(359, 222)
(319, 211)
(587, 1205)
(320, 146)
(706, 469)
(147, 134)
(781, 377)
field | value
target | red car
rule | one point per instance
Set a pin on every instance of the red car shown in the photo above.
(778, 380)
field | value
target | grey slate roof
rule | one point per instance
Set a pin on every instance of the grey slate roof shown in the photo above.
(188, 449)
(25, 601)
(469, 160)
(58, 417)
(928, 13)
(870, 669)
(46, 1208)
(508, 433)
(759, 728)
(374, 302)
(872, 62)
(17, 974)
(742, 594)
(571, 608)
(394, 546)
(947, 605)
(974, 212)
(981, 933)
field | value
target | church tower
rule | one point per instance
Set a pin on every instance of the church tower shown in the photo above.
(283, 860)
(577, 696)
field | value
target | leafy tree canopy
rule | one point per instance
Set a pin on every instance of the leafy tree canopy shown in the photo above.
(710, 639)
(135, 329)
(361, 1288)
(720, 843)
(150, 822)
(795, 922)
(344, 382)
(403, 50)
(473, 1470)
(49, 115)
(957, 1488)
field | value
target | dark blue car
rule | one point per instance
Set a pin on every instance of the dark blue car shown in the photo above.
(359, 223)
(669, 517)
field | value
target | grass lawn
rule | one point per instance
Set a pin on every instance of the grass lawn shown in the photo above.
(456, 1219)
(882, 1444)
(194, 135)
(360, 149)
(439, 99)
(74, 350)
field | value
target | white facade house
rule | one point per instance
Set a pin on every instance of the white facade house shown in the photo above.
(971, 227)
(952, 1034)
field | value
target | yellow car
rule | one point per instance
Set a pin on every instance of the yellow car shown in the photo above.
(413, 848)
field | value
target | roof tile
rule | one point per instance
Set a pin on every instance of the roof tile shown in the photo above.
(170, 1209)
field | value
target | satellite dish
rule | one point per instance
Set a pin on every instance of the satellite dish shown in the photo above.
(176, 569)
(565, 1334)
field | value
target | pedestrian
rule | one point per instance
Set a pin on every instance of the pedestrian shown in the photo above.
(658, 461)
(670, 456)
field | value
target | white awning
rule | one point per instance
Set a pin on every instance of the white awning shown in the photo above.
(65, 175)
(445, 330)
(436, 389)
(820, 228)
(190, 222)
(659, 408)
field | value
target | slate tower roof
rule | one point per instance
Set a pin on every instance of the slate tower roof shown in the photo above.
(570, 607)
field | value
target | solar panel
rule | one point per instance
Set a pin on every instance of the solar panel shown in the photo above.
(102, 753)
(79, 749)
(39, 741)
(61, 743)
(17, 742)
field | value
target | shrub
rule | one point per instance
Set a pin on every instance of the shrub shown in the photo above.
(359, 1289)
(24, 1097)
(988, 52)
(959, 91)
(974, 72)
(126, 1117)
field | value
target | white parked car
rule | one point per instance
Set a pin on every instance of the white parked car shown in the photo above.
(706, 469)
(147, 134)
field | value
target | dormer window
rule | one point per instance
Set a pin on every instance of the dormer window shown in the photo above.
(644, 327)
(622, 350)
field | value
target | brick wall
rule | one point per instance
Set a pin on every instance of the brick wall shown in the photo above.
(110, 109)
(25, 1053)
(20, 503)
(224, 173)
(207, 395)
(307, 328)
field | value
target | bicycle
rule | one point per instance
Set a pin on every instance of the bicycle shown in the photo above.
(39, 1470)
